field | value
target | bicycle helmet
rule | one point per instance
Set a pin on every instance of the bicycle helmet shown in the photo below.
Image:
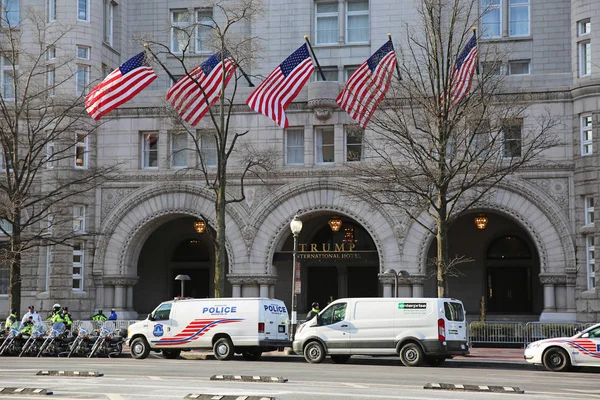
(315, 305)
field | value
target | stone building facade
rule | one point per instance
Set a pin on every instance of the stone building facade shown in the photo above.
(535, 259)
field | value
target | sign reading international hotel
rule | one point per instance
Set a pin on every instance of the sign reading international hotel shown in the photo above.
(341, 251)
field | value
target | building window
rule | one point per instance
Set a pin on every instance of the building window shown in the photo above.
(584, 27)
(5, 228)
(10, 13)
(7, 69)
(511, 146)
(83, 10)
(83, 52)
(324, 145)
(357, 21)
(150, 150)
(78, 264)
(4, 268)
(294, 146)
(348, 71)
(326, 23)
(109, 17)
(591, 262)
(81, 151)
(481, 140)
(51, 10)
(589, 210)
(6, 159)
(48, 268)
(179, 150)
(180, 22)
(208, 147)
(49, 225)
(51, 80)
(78, 218)
(491, 18)
(331, 74)
(518, 17)
(82, 79)
(586, 135)
(50, 53)
(491, 68)
(50, 155)
(204, 29)
(585, 58)
(518, 67)
(354, 143)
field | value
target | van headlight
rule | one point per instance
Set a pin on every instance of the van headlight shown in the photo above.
(533, 345)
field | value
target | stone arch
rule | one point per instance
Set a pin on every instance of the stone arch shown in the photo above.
(316, 197)
(131, 222)
(532, 209)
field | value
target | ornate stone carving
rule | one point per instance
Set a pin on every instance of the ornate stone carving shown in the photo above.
(323, 114)
(556, 188)
(546, 279)
(248, 233)
(120, 280)
(417, 279)
(111, 197)
(250, 279)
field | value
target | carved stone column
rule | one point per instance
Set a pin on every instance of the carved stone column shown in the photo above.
(247, 285)
(99, 292)
(417, 282)
(549, 282)
(570, 282)
(387, 281)
(122, 290)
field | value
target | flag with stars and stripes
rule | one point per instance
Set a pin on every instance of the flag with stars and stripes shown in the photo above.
(462, 72)
(368, 85)
(277, 91)
(196, 92)
(120, 86)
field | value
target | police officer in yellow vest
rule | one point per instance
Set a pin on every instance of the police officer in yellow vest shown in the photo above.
(67, 318)
(57, 315)
(11, 319)
(99, 317)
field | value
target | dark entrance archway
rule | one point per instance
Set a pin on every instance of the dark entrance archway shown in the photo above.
(333, 264)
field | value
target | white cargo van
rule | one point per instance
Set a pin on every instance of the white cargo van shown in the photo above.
(417, 329)
(247, 326)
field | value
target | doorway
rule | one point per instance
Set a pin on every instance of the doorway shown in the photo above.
(509, 289)
(196, 287)
(322, 284)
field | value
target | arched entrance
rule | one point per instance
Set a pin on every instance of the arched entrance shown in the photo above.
(174, 248)
(333, 264)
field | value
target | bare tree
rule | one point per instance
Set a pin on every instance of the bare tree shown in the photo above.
(430, 156)
(222, 28)
(44, 164)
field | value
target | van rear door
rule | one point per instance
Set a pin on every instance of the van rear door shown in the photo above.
(456, 325)
(275, 318)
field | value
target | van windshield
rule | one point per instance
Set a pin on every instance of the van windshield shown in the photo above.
(454, 311)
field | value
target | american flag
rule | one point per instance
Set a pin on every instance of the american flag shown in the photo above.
(368, 85)
(120, 86)
(275, 93)
(462, 72)
(187, 96)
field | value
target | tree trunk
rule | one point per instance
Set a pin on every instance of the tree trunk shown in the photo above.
(220, 253)
(442, 246)
(15, 263)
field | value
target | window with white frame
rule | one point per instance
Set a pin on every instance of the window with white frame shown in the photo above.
(204, 29)
(354, 143)
(180, 23)
(78, 264)
(584, 27)
(79, 218)
(324, 145)
(83, 52)
(82, 79)
(7, 69)
(179, 150)
(10, 13)
(348, 71)
(590, 261)
(585, 58)
(83, 10)
(150, 150)
(50, 155)
(519, 67)
(331, 74)
(491, 18)
(481, 139)
(48, 268)
(81, 151)
(6, 157)
(51, 80)
(357, 21)
(491, 68)
(518, 18)
(208, 150)
(294, 146)
(51, 53)
(587, 135)
(511, 144)
(49, 225)
(5, 227)
(326, 24)
(589, 210)
(109, 19)
(51, 11)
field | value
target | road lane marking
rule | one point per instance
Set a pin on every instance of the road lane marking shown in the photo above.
(155, 378)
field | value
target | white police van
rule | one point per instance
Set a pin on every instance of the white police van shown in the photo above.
(247, 326)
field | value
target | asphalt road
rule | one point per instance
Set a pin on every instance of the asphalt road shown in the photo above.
(362, 378)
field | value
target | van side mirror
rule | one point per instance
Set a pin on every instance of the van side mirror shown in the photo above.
(150, 317)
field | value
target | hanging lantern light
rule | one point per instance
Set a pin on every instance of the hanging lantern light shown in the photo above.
(200, 225)
(335, 223)
(481, 221)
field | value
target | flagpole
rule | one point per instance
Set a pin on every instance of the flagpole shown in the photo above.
(241, 70)
(315, 58)
(389, 35)
(477, 46)
(147, 47)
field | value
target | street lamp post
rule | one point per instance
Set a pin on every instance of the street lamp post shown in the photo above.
(296, 227)
(182, 278)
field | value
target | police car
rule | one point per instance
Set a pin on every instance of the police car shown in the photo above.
(559, 354)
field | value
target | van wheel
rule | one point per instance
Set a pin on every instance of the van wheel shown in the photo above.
(314, 352)
(171, 354)
(223, 349)
(556, 359)
(340, 358)
(435, 361)
(251, 355)
(139, 348)
(411, 355)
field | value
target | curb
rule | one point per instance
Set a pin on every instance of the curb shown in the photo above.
(474, 388)
(219, 397)
(248, 378)
(70, 373)
(28, 391)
